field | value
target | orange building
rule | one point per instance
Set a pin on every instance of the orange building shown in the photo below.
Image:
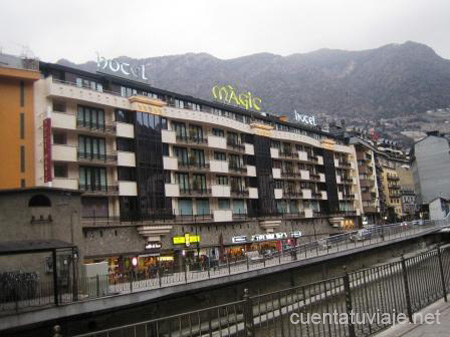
(17, 163)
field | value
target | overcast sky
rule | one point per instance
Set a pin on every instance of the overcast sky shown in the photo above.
(76, 30)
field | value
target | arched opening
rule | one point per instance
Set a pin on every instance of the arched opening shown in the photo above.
(39, 201)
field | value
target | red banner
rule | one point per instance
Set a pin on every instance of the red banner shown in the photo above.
(47, 150)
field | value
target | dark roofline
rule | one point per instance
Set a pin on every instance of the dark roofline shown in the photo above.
(147, 87)
(39, 189)
(32, 246)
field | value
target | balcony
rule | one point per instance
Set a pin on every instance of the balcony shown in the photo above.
(220, 191)
(231, 145)
(370, 209)
(302, 155)
(322, 177)
(393, 177)
(251, 171)
(278, 192)
(195, 192)
(366, 183)
(65, 121)
(324, 195)
(66, 183)
(109, 190)
(218, 166)
(127, 188)
(170, 163)
(223, 215)
(97, 159)
(253, 193)
(239, 193)
(168, 137)
(64, 153)
(309, 213)
(125, 130)
(249, 149)
(192, 166)
(193, 140)
(276, 173)
(319, 160)
(304, 175)
(237, 168)
(172, 190)
(96, 128)
(71, 91)
(217, 142)
(307, 194)
(366, 197)
(274, 153)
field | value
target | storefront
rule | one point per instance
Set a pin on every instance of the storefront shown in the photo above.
(263, 243)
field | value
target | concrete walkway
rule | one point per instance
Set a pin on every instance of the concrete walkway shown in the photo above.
(428, 330)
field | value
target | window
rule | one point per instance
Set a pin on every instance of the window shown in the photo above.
(59, 106)
(61, 170)
(59, 138)
(198, 158)
(224, 204)
(124, 116)
(232, 138)
(125, 144)
(93, 179)
(218, 132)
(199, 182)
(182, 179)
(202, 206)
(22, 183)
(235, 161)
(127, 92)
(236, 184)
(182, 155)
(179, 103)
(85, 83)
(22, 125)
(180, 130)
(196, 133)
(220, 155)
(91, 148)
(22, 159)
(165, 149)
(91, 117)
(39, 200)
(222, 180)
(22, 94)
(126, 173)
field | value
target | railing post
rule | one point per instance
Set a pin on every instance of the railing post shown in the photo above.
(55, 278)
(228, 263)
(97, 283)
(159, 277)
(248, 315)
(248, 265)
(131, 281)
(348, 303)
(185, 270)
(406, 285)
(57, 331)
(441, 269)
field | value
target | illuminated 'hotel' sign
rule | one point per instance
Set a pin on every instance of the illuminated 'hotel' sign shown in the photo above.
(246, 100)
(305, 119)
(121, 68)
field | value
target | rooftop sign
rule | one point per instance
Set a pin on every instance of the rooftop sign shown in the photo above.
(226, 94)
(309, 120)
(122, 69)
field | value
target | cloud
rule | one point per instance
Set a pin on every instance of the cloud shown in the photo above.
(76, 30)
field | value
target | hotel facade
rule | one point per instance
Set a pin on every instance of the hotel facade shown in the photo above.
(164, 174)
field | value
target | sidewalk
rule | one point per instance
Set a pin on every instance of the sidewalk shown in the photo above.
(416, 330)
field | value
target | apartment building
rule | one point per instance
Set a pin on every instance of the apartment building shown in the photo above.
(367, 169)
(17, 76)
(165, 175)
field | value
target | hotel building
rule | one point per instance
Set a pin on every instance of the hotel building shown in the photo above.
(163, 172)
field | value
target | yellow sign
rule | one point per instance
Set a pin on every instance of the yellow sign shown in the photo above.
(187, 239)
(226, 94)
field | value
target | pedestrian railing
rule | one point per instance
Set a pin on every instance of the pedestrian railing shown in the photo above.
(353, 304)
(29, 296)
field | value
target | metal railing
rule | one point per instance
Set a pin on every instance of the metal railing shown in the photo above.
(402, 287)
(102, 286)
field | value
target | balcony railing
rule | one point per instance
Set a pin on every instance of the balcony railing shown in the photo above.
(239, 192)
(191, 140)
(95, 127)
(99, 190)
(97, 158)
(235, 146)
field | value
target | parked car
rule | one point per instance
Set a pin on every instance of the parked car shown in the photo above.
(361, 235)
(417, 222)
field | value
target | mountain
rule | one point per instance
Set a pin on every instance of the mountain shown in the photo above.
(394, 80)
